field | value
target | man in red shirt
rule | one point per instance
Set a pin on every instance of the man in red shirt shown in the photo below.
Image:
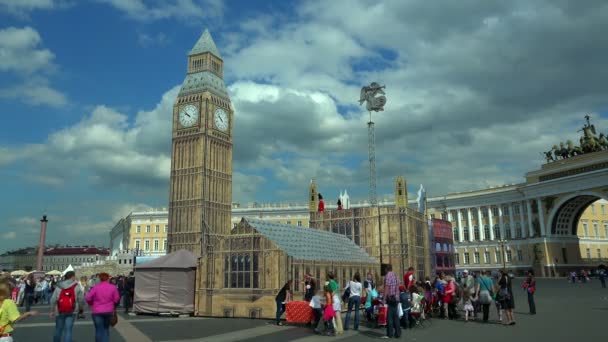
(408, 278)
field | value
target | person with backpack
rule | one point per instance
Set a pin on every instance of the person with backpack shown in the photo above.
(67, 301)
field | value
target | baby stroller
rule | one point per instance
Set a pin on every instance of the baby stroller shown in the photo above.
(417, 315)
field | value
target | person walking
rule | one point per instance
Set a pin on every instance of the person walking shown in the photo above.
(602, 276)
(9, 314)
(283, 297)
(485, 294)
(530, 287)
(505, 294)
(66, 302)
(28, 292)
(102, 299)
(130, 291)
(391, 294)
(448, 301)
(469, 285)
(354, 301)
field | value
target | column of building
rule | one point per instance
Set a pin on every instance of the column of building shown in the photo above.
(511, 221)
(470, 222)
(491, 223)
(460, 232)
(480, 225)
(522, 222)
(529, 211)
(541, 217)
(501, 223)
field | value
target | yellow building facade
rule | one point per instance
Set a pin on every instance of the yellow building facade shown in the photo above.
(593, 232)
(142, 231)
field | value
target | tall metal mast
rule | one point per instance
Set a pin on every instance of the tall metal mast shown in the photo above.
(374, 96)
(371, 140)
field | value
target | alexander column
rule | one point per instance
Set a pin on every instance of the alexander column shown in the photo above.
(42, 241)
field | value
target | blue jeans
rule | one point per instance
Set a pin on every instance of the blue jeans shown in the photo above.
(102, 326)
(353, 302)
(28, 298)
(63, 326)
(280, 310)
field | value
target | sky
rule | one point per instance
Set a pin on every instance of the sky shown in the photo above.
(476, 90)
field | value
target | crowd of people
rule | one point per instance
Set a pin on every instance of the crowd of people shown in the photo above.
(67, 297)
(398, 305)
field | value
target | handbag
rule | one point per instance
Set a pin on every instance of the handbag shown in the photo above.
(114, 320)
(485, 295)
(400, 310)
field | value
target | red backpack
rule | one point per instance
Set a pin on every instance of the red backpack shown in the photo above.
(67, 300)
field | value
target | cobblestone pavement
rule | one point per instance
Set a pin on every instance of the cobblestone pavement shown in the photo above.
(564, 312)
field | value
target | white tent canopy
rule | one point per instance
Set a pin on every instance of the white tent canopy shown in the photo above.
(70, 268)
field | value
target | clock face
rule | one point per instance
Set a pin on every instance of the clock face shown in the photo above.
(220, 119)
(188, 116)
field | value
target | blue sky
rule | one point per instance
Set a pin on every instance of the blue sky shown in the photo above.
(86, 89)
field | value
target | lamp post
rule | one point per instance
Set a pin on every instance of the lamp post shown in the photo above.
(504, 256)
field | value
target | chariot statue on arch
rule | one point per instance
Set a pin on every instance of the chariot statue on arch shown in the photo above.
(374, 96)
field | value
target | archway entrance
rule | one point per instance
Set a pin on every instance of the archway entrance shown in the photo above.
(564, 222)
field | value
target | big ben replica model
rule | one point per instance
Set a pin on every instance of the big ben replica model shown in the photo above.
(201, 157)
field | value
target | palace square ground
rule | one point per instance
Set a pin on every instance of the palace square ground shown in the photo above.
(566, 312)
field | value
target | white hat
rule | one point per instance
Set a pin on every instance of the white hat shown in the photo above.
(465, 271)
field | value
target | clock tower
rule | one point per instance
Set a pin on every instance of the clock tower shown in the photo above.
(200, 192)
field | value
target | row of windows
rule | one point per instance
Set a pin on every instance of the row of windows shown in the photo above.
(596, 229)
(146, 246)
(505, 211)
(487, 257)
(599, 253)
(486, 232)
(148, 227)
(241, 271)
(593, 211)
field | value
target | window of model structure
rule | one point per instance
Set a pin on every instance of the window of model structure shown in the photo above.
(296, 278)
(486, 232)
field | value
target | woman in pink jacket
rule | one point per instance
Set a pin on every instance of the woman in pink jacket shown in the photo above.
(103, 299)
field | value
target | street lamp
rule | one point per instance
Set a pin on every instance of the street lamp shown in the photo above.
(504, 256)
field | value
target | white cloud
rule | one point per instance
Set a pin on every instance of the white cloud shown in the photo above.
(148, 40)
(35, 91)
(21, 53)
(181, 9)
(21, 8)
(470, 103)
(8, 235)
(107, 146)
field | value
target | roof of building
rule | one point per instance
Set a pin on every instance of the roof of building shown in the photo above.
(201, 81)
(311, 244)
(205, 44)
(87, 250)
(178, 259)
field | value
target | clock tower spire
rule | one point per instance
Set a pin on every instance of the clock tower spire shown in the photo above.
(200, 192)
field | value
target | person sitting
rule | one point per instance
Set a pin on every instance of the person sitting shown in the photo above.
(372, 297)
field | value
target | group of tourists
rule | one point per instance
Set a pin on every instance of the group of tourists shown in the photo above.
(402, 305)
(67, 297)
